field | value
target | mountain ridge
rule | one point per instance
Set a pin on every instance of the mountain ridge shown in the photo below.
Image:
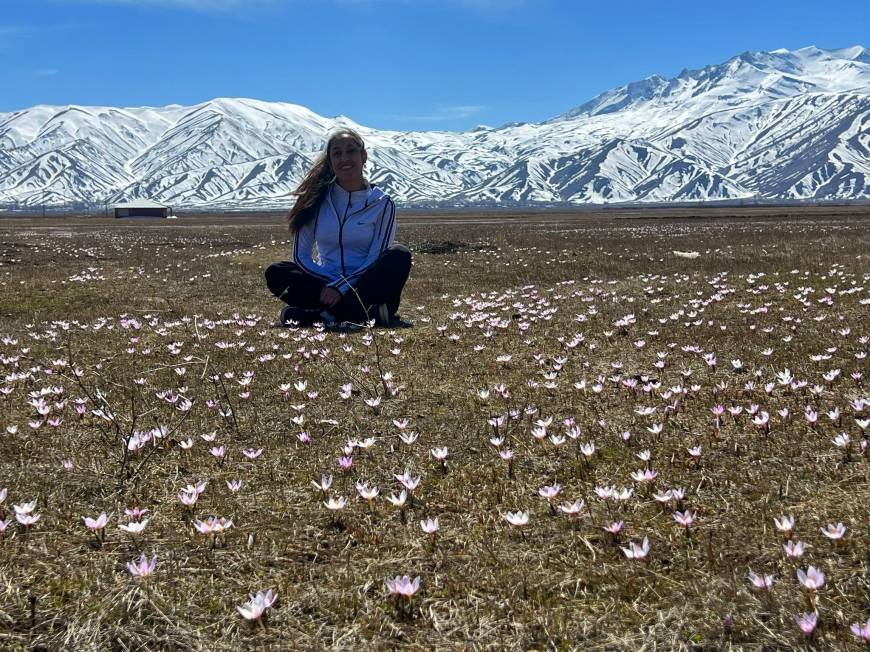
(784, 124)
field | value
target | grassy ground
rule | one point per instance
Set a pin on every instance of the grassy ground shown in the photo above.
(584, 317)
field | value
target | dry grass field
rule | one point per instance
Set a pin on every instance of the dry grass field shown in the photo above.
(572, 388)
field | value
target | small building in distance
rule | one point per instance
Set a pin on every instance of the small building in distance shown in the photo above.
(142, 208)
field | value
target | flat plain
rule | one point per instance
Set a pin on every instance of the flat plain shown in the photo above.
(636, 430)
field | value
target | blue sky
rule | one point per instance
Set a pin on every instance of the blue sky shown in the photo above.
(390, 64)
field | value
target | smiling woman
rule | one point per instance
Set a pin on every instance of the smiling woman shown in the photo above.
(346, 265)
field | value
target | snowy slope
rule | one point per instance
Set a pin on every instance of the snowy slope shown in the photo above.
(780, 124)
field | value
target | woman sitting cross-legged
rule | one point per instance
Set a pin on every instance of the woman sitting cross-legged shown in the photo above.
(346, 265)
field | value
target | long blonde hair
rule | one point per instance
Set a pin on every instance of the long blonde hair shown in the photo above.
(313, 188)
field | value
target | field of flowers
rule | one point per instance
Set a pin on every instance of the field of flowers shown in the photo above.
(600, 434)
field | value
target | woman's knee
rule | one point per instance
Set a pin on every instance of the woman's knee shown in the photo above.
(272, 272)
(278, 276)
(400, 255)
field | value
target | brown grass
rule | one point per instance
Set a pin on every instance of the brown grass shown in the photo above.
(198, 282)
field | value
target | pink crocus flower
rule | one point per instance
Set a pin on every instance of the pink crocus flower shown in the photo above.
(334, 504)
(25, 508)
(644, 475)
(197, 489)
(440, 454)
(374, 403)
(517, 519)
(539, 433)
(430, 525)
(793, 548)
(663, 496)
(134, 527)
(841, 441)
(784, 525)
(549, 492)
(142, 567)
(213, 525)
(684, 518)
(24, 513)
(366, 492)
(813, 579)
(400, 500)
(635, 551)
(614, 528)
(807, 622)
(96, 524)
(254, 608)
(572, 510)
(408, 481)
(408, 437)
(605, 493)
(403, 586)
(834, 531)
(862, 631)
(761, 581)
(27, 519)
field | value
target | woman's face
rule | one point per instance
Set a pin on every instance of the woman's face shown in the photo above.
(347, 159)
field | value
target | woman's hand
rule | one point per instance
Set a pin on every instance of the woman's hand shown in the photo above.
(329, 297)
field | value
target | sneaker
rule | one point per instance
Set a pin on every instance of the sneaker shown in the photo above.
(397, 322)
(382, 314)
(298, 316)
(384, 319)
(344, 327)
(327, 319)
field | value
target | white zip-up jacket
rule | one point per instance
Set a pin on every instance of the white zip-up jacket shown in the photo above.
(347, 235)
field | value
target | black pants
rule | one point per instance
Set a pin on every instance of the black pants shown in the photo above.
(381, 283)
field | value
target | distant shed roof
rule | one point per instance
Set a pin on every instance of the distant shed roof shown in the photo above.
(140, 203)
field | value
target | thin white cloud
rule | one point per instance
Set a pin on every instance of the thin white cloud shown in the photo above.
(34, 30)
(204, 6)
(12, 34)
(47, 72)
(492, 5)
(208, 6)
(445, 113)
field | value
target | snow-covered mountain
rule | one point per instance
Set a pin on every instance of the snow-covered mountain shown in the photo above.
(766, 125)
